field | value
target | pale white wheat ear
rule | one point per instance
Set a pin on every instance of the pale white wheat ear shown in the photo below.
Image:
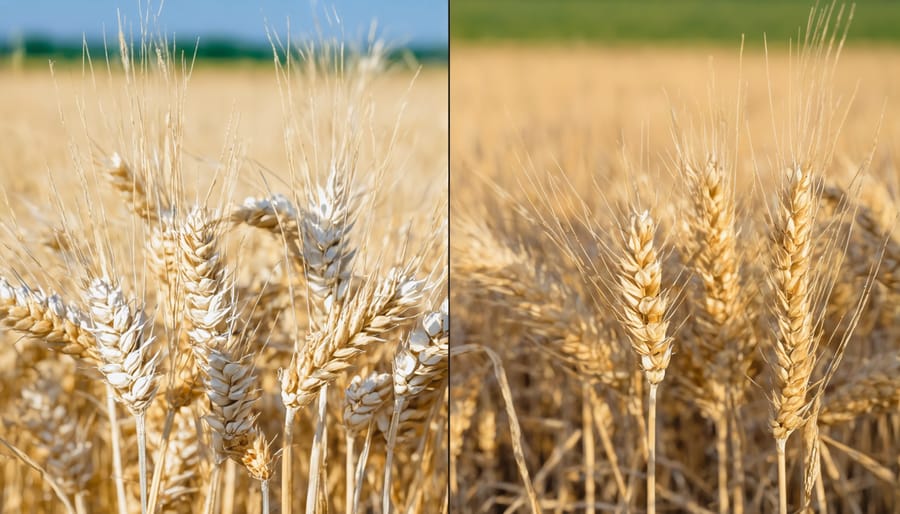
(328, 255)
(232, 391)
(126, 358)
(364, 399)
(190, 254)
(208, 296)
(62, 327)
(379, 307)
(420, 372)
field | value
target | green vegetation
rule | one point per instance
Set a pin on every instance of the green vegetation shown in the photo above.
(675, 21)
(37, 48)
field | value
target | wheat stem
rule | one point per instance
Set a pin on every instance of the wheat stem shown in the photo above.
(115, 440)
(228, 491)
(81, 503)
(721, 423)
(651, 451)
(737, 461)
(286, 461)
(264, 491)
(588, 442)
(389, 462)
(361, 467)
(209, 504)
(349, 441)
(160, 461)
(782, 476)
(316, 454)
(141, 422)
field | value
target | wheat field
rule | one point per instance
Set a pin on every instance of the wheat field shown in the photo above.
(222, 288)
(682, 260)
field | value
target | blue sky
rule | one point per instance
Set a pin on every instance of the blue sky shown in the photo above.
(400, 21)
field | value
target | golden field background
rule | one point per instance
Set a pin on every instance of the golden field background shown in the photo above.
(552, 147)
(577, 106)
(217, 97)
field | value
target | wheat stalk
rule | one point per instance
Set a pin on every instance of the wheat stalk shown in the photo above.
(644, 317)
(125, 358)
(795, 345)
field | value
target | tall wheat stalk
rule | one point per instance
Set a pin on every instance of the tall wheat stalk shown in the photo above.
(796, 344)
(126, 360)
(643, 315)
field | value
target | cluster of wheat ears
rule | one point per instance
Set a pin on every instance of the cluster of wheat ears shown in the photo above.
(722, 337)
(169, 348)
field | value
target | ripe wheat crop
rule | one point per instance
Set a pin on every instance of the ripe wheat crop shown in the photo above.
(682, 260)
(224, 290)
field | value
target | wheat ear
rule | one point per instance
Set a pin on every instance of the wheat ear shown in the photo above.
(276, 215)
(62, 327)
(125, 358)
(378, 308)
(795, 343)
(56, 431)
(723, 352)
(131, 187)
(644, 318)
